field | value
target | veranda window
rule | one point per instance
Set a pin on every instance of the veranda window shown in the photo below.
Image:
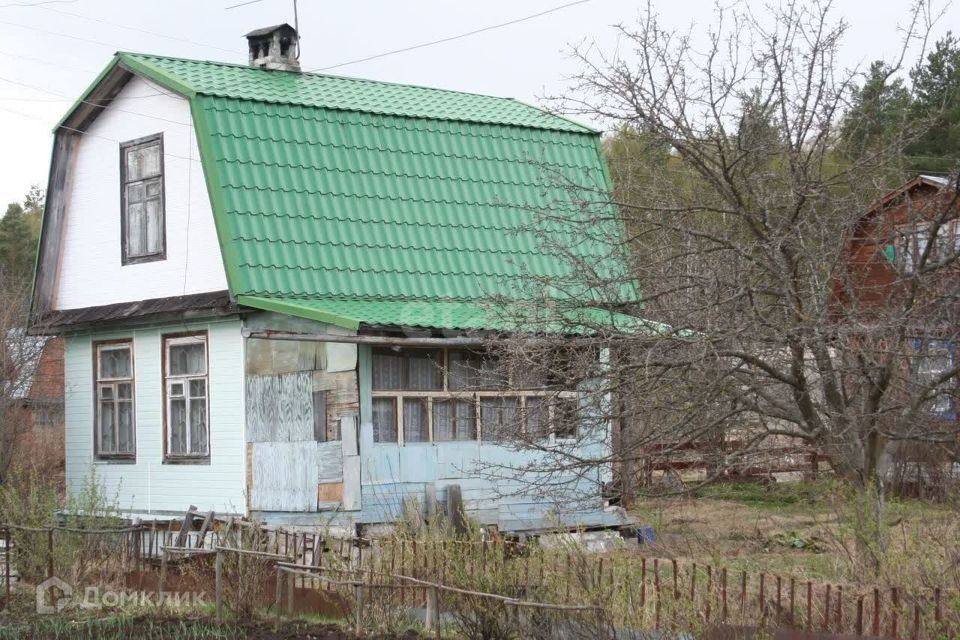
(187, 406)
(447, 395)
(935, 359)
(915, 238)
(141, 196)
(114, 420)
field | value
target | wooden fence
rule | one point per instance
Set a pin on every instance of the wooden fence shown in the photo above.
(634, 591)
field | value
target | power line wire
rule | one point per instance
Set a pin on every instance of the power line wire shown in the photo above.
(62, 35)
(49, 63)
(87, 133)
(242, 4)
(137, 29)
(98, 104)
(450, 38)
(35, 4)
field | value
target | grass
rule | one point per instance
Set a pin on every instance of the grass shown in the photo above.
(803, 530)
(775, 496)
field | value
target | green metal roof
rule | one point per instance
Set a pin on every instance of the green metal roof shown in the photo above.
(379, 203)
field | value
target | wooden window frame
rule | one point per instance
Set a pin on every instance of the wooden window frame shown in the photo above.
(124, 148)
(180, 458)
(473, 396)
(98, 345)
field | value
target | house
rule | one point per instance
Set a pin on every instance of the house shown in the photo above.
(31, 403)
(900, 276)
(271, 282)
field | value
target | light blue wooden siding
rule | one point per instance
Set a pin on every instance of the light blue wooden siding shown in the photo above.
(149, 485)
(389, 473)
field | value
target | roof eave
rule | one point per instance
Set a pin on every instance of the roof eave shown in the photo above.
(100, 93)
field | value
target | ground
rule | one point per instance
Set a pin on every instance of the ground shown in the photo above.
(154, 627)
(804, 530)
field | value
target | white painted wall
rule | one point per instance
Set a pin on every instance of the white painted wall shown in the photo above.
(90, 271)
(148, 485)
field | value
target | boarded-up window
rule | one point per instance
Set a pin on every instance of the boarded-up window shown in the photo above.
(187, 406)
(114, 411)
(141, 196)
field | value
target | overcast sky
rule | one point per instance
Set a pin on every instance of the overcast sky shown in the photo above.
(45, 47)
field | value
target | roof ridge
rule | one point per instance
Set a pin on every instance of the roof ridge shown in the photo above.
(345, 77)
(367, 81)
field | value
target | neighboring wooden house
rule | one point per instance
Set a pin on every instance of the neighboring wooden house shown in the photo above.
(882, 268)
(883, 254)
(32, 415)
(238, 256)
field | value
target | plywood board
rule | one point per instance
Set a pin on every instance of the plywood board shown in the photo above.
(340, 357)
(280, 408)
(351, 483)
(330, 492)
(284, 476)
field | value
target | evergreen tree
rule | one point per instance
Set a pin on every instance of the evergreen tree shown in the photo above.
(19, 232)
(936, 88)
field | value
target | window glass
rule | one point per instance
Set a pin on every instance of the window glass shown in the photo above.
(424, 372)
(934, 359)
(387, 370)
(411, 369)
(415, 427)
(454, 420)
(474, 370)
(536, 418)
(114, 419)
(384, 420)
(114, 363)
(187, 359)
(566, 415)
(499, 417)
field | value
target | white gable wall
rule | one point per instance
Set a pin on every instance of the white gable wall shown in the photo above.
(90, 271)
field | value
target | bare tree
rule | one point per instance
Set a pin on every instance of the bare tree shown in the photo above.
(742, 312)
(19, 359)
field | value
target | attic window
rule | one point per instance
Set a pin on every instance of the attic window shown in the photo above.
(142, 222)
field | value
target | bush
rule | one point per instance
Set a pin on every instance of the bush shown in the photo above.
(31, 499)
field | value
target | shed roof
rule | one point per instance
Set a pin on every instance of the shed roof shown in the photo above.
(339, 190)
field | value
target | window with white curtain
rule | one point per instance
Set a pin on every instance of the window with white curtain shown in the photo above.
(114, 420)
(187, 399)
(450, 395)
(141, 196)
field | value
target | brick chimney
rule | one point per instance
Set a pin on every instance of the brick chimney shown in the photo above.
(274, 48)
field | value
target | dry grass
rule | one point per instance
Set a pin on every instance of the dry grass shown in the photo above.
(804, 531)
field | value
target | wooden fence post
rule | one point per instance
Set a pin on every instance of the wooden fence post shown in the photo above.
(50, 552)
(278, 595)
(6, 566)
(358, 598)
(859, 629)
(429, 621)
(163, 573)
(894, 611)
(219, 585)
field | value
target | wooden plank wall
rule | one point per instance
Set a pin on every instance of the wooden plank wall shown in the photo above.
(298, 394)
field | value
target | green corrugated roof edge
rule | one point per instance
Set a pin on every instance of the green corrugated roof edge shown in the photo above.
(464, 316)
